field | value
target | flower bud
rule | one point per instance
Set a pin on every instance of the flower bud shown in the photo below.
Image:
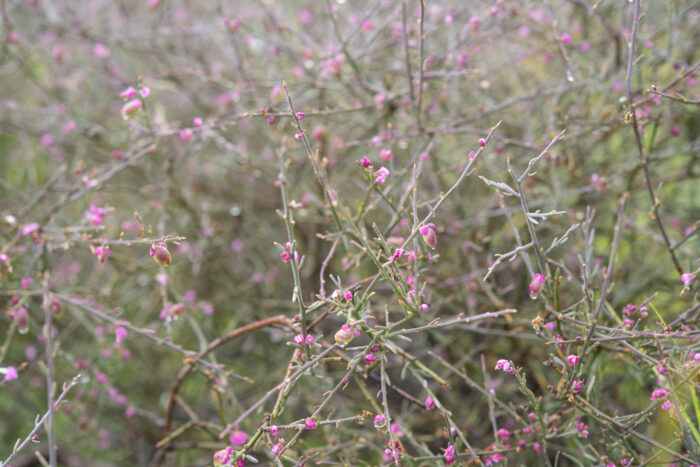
(379, 421)
(429, 235)
(130, 108)
(161, 254)
(21, 318)
(344, 335)
(536, 285)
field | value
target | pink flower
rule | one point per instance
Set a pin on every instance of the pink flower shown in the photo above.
(238, 437)
(450, 454)
(28, 229)
(381, 175)
(687, 279)
(130, 108)
(537, 448)
(101, 51)
(26, 282)
(662, 369)
(371, 358)
(128, 93)
(300, 116)
(365, 162)
(120, 334)
(223, 456)
(658, 394)
(385, 154)
(10, 373)
(504, 365)
(274, 431)
(145, 92)
(197, 122)
(577, 385)
(348, 295)
(429, 235)
(398, 253)
(298, 135)
(482, 142)
(572, 359)
(310, 423)
(667, 405)
(565, 38)
(585, 47)
(675, 130)
(298, 339)
(379, 421)
(474, 21)
(536, 285)
(503, 434)
(186, 134)
(309, 339)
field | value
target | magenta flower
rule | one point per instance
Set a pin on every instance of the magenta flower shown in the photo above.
(197, 122)
(572, 359)
(186, 134)
(10, 373)
(658, 394)
(450, 454)
(274, 430)
(120, 334)
(145, 92)
(379, 421)
(371, 358)
(310, 423)
(365, 162)
(687, 279)
(482, 142)
(348, 295)
(503, 434)
(429, 403)
(385, 154)
(300, 116)
(128, 93)
(238, 437)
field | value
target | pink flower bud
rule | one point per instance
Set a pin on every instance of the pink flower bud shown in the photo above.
(365, 162)
(379, 421)
(503, 365)
(197, 122)
(238, 437)
(503, 434)
(130, 108)
(145, 92)
(385, 154)
(348, 295)
(572, 359)
(429, 235)
(687, 279)
(128, 93)
(429, 403)
(186, 134)
(482, 142)
(371, 358)
(536, 285)
(658, 394)
(310, 423)
(300, 116)
(274, 431)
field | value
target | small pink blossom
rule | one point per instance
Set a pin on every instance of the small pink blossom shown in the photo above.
(145, 92)
(429, 403)
(371, 358)
(565, 38)
(381, 175)
(238, 437)
(365, 162)
(348, 295)
(120, 334)
(504, 365)
(536, 285)
(186, 134)
(197, 122)
(310, 423)
(10, 373)
(26, 282)
(128, 93)
(659, 393)
(130, 108)
(667, 405)
(572, 359)
(450, 454)
(385, 154)
(503, 434)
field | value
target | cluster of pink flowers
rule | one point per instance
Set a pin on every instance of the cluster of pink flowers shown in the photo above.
(94, 215)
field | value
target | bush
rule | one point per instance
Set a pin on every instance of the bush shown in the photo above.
(349, 233)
